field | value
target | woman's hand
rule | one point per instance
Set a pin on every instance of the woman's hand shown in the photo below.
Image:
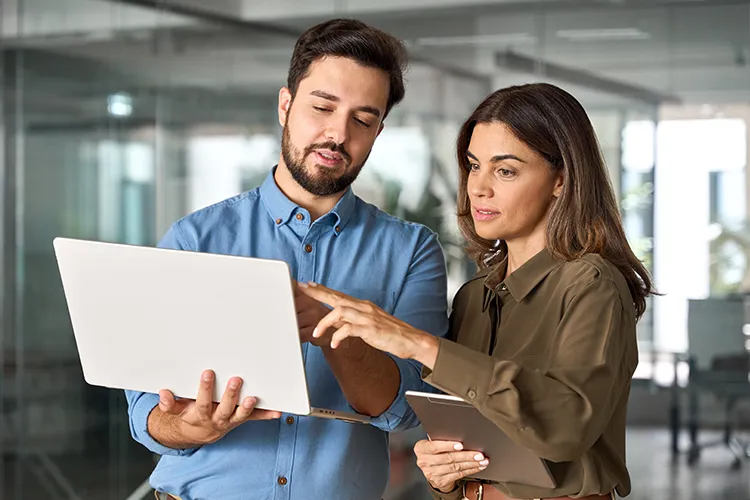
(444, 463)
(363, 319)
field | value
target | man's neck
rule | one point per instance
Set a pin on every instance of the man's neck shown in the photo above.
(316, 205)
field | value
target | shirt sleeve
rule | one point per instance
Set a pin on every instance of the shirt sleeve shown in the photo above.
(560, 413)
(422, 304)
(140, 404)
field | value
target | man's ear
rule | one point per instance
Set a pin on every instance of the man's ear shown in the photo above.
(382, 124)
(285, 103)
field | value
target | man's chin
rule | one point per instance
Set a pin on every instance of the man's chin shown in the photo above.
(326, 170)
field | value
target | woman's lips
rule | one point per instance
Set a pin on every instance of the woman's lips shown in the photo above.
(484, 214)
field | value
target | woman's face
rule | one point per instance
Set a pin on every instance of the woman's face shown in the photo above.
(510, 186)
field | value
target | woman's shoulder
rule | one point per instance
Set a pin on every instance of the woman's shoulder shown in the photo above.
(588, 268)
(593, 270)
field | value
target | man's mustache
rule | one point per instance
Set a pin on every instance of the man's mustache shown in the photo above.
(332, 146)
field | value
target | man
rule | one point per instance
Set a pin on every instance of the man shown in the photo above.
(344, 78)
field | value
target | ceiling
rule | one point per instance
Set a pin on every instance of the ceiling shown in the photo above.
(611, 52)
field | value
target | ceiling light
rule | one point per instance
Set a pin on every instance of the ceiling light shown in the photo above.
(120, 105)
(603, 34)
(501, 39)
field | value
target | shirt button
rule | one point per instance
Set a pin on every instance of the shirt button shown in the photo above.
(282, 480)
(471, 394)
(290, 420)
(503, 287)
(338, 229)
(278, 221)
(308, 248)
(300, 217)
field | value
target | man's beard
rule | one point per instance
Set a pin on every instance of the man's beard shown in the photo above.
(323, 182)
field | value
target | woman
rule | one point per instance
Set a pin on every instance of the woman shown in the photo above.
(543, 338)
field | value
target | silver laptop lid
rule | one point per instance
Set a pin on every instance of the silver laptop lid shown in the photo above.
(149, 319)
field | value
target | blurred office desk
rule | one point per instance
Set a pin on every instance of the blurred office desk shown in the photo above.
(725, 382)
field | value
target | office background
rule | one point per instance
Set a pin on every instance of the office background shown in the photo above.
(119, 117)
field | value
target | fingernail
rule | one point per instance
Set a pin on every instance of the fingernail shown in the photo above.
(247, 403)
(312, 283)
(484, 463)
(234, 383)
(315, 333)
(483, 467)
(478, 457)
(207, 376)
(458, 447)
(303, 285)
(163, 401)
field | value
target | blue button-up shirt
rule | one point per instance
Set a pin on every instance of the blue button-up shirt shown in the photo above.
(355, 248)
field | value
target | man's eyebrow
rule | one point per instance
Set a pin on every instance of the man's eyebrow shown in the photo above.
(330, 97)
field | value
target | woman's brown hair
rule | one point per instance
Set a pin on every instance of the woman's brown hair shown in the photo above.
(584, 219)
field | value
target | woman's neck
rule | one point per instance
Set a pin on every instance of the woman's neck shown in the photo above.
(520, 251)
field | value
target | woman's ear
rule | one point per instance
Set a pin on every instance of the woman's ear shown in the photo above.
(558, 185)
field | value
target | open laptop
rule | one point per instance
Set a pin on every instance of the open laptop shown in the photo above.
(448, 418)
(147, 319)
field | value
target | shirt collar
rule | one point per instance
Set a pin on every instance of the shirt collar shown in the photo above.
(281, 208)
(524, 279)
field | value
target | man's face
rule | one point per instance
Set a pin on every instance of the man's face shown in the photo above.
(330, 128)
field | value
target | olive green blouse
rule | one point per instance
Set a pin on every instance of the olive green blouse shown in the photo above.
(548, 355)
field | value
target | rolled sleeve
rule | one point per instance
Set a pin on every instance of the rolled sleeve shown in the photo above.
(140, 405)
(399, 416)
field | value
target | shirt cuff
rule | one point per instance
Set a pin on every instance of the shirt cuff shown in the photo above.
(140, 406)
(460, 371)
(400, 416)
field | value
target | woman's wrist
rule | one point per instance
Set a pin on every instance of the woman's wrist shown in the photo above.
(427, 347)
(446, 489)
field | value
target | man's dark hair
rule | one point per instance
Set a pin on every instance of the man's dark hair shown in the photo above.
(354, 40)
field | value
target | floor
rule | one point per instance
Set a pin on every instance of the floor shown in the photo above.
(654, 475)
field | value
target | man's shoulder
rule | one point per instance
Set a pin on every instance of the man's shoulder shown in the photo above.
(223, 211)
(391, 224)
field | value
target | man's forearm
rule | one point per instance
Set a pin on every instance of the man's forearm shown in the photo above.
(165, 428)
(368, 378)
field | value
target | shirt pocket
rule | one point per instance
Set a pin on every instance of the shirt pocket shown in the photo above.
(384, 299)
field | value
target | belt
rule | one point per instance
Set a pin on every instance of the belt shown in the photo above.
(478, 491)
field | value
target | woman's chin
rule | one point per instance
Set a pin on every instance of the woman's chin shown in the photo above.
(487, 234)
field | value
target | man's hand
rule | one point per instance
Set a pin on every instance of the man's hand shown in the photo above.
(201, 421)
(309, 314)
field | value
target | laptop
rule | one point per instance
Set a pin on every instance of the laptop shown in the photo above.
(147, 319)
(448, 418)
